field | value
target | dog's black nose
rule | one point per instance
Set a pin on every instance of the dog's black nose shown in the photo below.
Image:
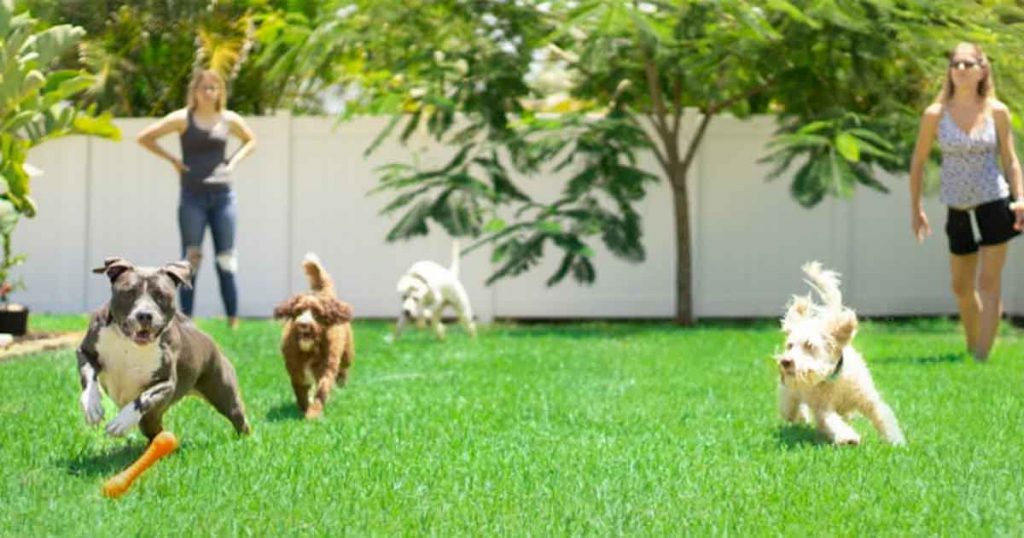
(144, 317)
(786, 363)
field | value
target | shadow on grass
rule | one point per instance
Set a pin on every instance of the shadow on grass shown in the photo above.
(116, 459)
(284, 411)
(924, 360)
(798, 435)
(105, 463)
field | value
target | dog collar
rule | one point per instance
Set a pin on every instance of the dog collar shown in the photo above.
(839, 368)
(419, 277)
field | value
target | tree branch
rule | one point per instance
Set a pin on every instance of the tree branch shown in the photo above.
(677, 107)
(718, 107)
(691, 151)
(654, 88)
(654, 146)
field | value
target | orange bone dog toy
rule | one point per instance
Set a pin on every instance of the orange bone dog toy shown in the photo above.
(163, 444)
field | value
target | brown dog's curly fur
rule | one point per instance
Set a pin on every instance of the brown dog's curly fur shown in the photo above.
(318, 351)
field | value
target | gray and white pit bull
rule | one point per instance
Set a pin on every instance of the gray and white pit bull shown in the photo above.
(147, 355)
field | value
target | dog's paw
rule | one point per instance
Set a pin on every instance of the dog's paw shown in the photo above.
(314, 411)
(92, 405)
(847, 440)
(897, 440)
(127, 419)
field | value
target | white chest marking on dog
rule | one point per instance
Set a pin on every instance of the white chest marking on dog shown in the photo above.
(127, 368)
(306, 318)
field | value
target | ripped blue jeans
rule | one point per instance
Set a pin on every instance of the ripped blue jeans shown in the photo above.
(220, 211)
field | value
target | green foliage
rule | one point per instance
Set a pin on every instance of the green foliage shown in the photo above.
(839, 155)
(884, 65)
(597, 429)
(9, 217)
(144, 51)
(847, 80)
(457, 71)
(35, 106)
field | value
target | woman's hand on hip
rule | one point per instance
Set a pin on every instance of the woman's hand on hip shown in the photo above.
(921, 228)
(1018, 212)
(179, 166)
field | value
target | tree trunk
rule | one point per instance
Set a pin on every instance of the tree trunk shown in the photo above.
(684, 263)
(676, 168)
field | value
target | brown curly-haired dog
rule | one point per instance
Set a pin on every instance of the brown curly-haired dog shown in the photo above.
(317, 339)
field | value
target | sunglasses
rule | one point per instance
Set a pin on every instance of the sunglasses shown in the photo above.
(965, 64)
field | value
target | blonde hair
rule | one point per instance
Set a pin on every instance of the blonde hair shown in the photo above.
(197, 78)
(986, 86)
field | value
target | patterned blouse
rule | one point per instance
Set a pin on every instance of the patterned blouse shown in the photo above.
(970, 172)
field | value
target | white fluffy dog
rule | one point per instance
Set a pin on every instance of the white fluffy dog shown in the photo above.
(427, 288)
(821, 372)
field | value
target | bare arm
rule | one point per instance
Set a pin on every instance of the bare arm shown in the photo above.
(1011, 166)
(925, 139)
(174, 122)
(240, 129)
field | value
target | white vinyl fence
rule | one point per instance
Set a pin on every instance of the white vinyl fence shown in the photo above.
(305, 189)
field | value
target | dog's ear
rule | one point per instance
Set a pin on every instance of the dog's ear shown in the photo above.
(284, 310)
(405, 283)
(842, 326)
(180, 273)
(799, 308)
(336, 311)
(114, 267)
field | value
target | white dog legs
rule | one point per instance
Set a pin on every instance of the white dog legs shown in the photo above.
(399, 325)
(466, 313)
(835, 428)
(435, 321)
(790, 407)
(881, 415)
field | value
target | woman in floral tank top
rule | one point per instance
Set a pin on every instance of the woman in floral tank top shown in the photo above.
(980, 179)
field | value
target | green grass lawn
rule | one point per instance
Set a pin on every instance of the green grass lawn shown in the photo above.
(588, 429)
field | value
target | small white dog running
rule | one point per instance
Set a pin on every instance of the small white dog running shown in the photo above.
(427, 288)
(821, 372)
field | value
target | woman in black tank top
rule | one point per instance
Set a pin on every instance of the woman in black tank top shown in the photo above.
(205, 175)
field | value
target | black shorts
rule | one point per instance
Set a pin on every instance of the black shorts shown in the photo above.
(994, 222)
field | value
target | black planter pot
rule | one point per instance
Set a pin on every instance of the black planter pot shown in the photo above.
(14, 321)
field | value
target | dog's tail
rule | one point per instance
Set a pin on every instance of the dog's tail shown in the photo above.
(319, 280)
(456, 254)
(826, 283)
